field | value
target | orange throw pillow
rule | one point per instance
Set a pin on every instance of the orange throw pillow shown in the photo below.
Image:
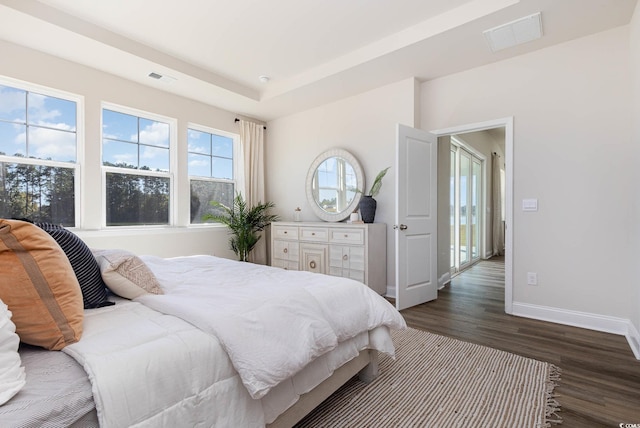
(39, 286)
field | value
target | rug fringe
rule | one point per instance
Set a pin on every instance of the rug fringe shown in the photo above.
(552, 406)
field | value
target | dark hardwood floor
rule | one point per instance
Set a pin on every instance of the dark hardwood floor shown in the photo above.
(600, 381)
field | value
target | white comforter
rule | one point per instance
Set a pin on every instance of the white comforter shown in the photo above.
(271, 322)
(152, 370)
(235, 325)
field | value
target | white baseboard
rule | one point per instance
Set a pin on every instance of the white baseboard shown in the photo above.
(604, 323)
(444, 280)
(391, 292)
(633, 337)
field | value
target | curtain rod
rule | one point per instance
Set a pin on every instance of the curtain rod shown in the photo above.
(238, 120)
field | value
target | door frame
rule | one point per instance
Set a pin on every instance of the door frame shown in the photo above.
(507, 123)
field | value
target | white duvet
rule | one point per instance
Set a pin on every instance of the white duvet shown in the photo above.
(152, 370)
(271, 322)
(224, 334)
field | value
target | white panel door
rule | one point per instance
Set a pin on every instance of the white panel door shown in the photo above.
(416, 217)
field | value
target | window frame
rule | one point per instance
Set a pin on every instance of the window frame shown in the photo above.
(171, 174)
(78, 165)
(237, 166)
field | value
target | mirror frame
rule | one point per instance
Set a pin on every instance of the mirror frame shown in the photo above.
(357, 168)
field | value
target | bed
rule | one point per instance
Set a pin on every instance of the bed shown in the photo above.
(188, 341)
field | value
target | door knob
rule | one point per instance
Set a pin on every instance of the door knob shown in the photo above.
(401, 227)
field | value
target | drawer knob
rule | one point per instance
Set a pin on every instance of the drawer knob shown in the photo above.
(286, 250)
(346, 236)
(345, 257)
(285, 232)
(313, 234)
(312, 264)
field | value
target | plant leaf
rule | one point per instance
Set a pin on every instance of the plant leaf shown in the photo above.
(244, 223)
(377, 183)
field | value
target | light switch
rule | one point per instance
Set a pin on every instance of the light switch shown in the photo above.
(529, 205)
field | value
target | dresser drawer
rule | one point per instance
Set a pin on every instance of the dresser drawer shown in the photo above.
(284, 232)
(285, 250)
(319, 234)
(347, 256)
(347, 236)
(358, 275)
(285, 264)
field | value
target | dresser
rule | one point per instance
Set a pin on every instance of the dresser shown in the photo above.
(356, 251)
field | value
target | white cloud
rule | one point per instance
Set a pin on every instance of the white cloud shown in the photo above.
(12, 101)
(156, 134)
(129, 159)
(196, 149)
(48, 143)
(197, 163)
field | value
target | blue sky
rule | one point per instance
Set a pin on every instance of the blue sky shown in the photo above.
(52, 134)
(127, 138)
(210, 155)
(135, 141)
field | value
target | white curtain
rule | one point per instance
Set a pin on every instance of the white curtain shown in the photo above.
(252, 187)
(496, 196)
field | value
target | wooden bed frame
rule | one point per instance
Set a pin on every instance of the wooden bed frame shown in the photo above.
(365, 365)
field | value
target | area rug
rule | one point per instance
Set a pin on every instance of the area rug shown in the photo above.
(436, 381)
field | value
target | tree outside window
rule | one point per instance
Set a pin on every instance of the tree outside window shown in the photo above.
(211, 171)
(136, 160)
(38, 156)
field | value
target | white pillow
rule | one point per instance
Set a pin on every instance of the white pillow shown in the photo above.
(126, 274)
(12, 375)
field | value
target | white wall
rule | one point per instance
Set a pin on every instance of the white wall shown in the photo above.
(634, 231)
(573, 151)
(95, 86)
(444, 201)
(364, 125)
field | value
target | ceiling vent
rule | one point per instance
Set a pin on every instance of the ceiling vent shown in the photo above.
(514, 33)
(162, 78)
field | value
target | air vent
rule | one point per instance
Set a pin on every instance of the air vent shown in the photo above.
(162, 77)
(514, 33)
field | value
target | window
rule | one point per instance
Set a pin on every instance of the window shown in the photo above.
(211, 157)
(136, 154)
(38, 154)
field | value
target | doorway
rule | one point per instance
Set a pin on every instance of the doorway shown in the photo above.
(485, 248)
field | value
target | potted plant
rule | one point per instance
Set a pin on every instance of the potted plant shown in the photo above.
(244, 223)
(368, 204)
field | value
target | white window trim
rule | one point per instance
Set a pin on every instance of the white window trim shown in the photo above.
(171, 174)
(237, 165)
(80, 139)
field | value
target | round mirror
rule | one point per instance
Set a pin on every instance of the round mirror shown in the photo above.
(333, 184)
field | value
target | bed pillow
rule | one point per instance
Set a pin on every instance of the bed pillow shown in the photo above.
(12, 377)
(38, 285)
(126, 274)
(94, 290)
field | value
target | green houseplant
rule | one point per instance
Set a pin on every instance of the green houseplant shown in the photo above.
(244, 223)
(368, 204)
